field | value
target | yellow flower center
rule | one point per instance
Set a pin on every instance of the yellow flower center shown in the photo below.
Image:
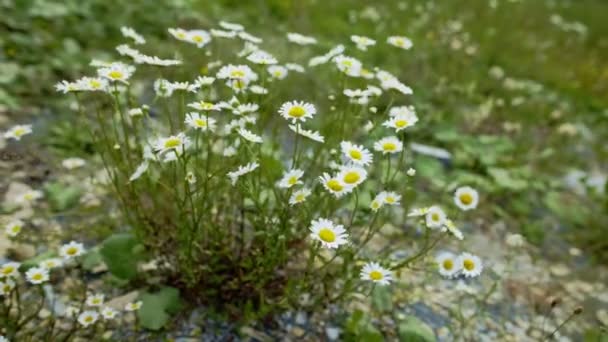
(71, 251)
(375, 205)
(172, 142)
(375, 275)
(401, 123)
(16, 229)
(237, 74)
(299, 198)
(293, 180)
(115, 74)
(200, 122)
(334, 185)
(351, 177)
(468, 265)
(95, 84)
(355, 154)
(435, 217)
(8, 270)
(198, 39)
(37, 277)
(327, 235)
(19, 132)
(347, 63)
(278, 73)
(389, 146)
(296, 112)
(448, 264)
(466, 198)
(399, 42)
(390, 199)
(181, 35)
(88, 319)
(96, 301)
(6, 288)
(239, 84)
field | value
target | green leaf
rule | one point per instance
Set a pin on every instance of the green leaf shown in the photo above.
(382, 299)
(8, 72)
(414, 330)
(121, 253)
(37, 259)
(505, 179)
(62, 197)
(157, 307)
(91, 260)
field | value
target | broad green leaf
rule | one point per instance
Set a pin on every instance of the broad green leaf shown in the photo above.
(157, 307)
(414, 330)
(62, 197)
(121, 253)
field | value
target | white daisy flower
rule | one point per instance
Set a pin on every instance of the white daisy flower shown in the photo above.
(352, 175)
(242, 170)
(6, 286)
(197, 121)
(470, 265)
(400, 42)
(330, 235)
(108, 313)
(401, 121)
(278, 72)
(452, 229)
(356, 154)
(313, 135)
(95, 300)
(349, 65)
(448, 265)
(200, 38)
(128, 32)
(202, 105)
(377, 203)
(190, 178)
(388, 145)
(398, 86)
(51, 263)
(231, 26)
(14, 227)
(297, 111)
(202, 81)
(37, 275)
(133, 306)
(335, 185)
(249, 135)
(404, 110)
(411, 172)
(248, 37)
(87, 318)
(177, 143)
(295, 67)
(300, 39)
(73, 163)
(92, 84)
(262, 57)
(154, 60)
(246, 108)
(466, 198)
(362, 42)
(18, 131)
(435, 217)
(71, 250)
(256, 89)
(117, 72)
(299, 196)
(236, 72)
(136, 112)
(290, 178)
(9, 270)
(223, 34)
(66, 87)
(374, 272)
(163, 88)
(390, 197)
(416, 212)
(29, 197)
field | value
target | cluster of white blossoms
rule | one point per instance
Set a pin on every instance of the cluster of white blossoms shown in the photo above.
(465, 264)
(95, 309)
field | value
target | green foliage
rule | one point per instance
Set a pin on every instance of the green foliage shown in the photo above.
(158, 307)
(412, 329)
(37, 259)
(359, 328)
(382, 299)
(61, 196)
(121, 253)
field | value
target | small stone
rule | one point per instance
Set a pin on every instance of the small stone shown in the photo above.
(301, 318)
(119, 303)
(297, 332)
(575, 251)
(332, 333)
(560, 270)
(602, 316)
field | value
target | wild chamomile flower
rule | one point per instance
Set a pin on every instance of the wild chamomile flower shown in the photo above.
(87, 318)
(237, 72)
(242, 170)
(73, 163)
(451, 228)
(16, 132)
(92, 84)
(190, 178)
(202, 81)
(435, 217)
(362, 42)
(299, 196)
(163, 88)
(405, 110)
(329, 234)
(300, 39)
(37, 275)
(200, 38)
(395, 84)
(131, 33)
(249, 135)
(223, 34)
(176, 143)
(295, 67)
(401, 121)
(400, 42)
(203, 105)
(256, 89)
(390, 197)
(6, 286)
(197, 121)
(377, 203)
(13, 228)
(29, 197)
(352, 175)
(95, 300)
(470, 265)
(448, 265)
(133, 306)
(335, 185)
(313, 135)
(297, 111)
(71, 250)
(348, 65)
(411, 172)
(246, 108)
(66, 87)
(417, 212)
(388, 145)
(117, 72)
(356, 154)
(466, 198)
(372, 271)
(291, 178)
(278, 72)
(335, 51)
(262, 57)
(108, 313)
(9, 270)
(248, 37)
(51, 263)
(231, 26)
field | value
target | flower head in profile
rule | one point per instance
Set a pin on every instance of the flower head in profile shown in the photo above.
(352, 175)
(18, 131)
(356, 154)
(390, 197)
(291, 178)
(176, 143)
(131, 33)
(362, 42)
(71, 250)
(237, 72)
(29, 197)
(95, 300)
(299, 196)
(278, 72)
(13, 228)
(312, 135)
(335, 185)
(9, 270)
(466, 198)
(199, 122)
(327, 233)
(51, 263)
(388, 145)
(448, 265)
(400, 42)
(37, 275)
(133, 306)
(300, 39)
(242, 170)
(451, 228)
(200, 38)
(231, 26)
(401, 121)
(297, 111)
(108, 313)
(203, 105)
(372, 271)
(262, 57)
(348, 65)
(470, 265)
(87, 318)
(6, 286)
(435, 217)
(117, 72)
